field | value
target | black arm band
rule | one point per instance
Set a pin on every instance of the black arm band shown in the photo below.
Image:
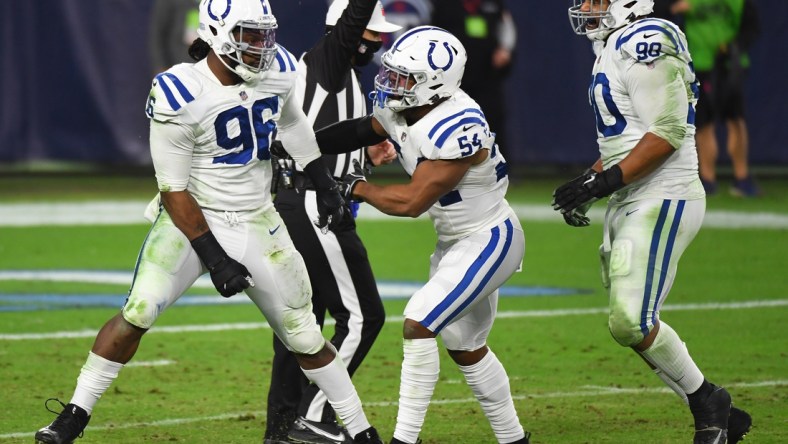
(347, 135)
(318, 173)
(208, 249)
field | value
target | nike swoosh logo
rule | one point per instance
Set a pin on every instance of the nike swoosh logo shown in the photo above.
(466, 128)
(338, 437)
(271, 232)
(648, 36)
(630, 212)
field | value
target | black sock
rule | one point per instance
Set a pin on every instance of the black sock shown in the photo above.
(701, 393)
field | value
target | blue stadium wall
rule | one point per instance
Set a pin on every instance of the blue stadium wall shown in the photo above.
(75, 77)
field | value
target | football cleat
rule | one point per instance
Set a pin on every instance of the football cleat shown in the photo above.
(739, 423)
(68, 426)
(368, 436)
(711, 416)
(396, 441)
(312, 432)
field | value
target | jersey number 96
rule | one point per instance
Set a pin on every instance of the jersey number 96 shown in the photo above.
(250, 130)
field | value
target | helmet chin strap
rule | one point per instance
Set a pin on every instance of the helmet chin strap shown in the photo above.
(247, 75)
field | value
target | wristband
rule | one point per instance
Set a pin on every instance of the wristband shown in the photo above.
(208, 249)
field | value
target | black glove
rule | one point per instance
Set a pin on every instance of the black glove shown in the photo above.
(330, 205)
(228, 275)
(577, 217)
(585, 187)
(331, 208)
(350, 180)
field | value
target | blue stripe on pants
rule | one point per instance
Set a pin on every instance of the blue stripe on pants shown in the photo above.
(471, 274)
(674, 228)
(652, 260)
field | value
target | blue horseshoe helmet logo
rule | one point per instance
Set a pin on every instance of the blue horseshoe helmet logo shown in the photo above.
(432, 49)
(224, 14)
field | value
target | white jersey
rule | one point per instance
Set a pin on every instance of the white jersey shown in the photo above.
(643, 81)
(455, 129)
(213, 140)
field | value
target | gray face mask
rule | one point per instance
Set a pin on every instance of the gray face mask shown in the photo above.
(366, 51)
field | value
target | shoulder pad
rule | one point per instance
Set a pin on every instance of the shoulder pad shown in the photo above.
(284, 60)
(171, 91)
(650, 39)
(459, 135)
(280, 78)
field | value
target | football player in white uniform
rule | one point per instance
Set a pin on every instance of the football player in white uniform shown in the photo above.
(211, 126)
(460, 179)
(643, 93)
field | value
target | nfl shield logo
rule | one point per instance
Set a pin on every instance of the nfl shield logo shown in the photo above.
(243, 95)
(403, 137)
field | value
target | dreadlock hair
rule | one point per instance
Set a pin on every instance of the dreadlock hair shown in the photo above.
(199, 49)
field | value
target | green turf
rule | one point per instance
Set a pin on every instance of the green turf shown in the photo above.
(564, 370)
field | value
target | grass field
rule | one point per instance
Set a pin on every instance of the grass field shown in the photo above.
(202, 373)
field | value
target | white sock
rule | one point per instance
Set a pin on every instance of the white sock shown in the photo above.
(95, 378)
(669, 355)
(334, 381)
(673, 386)
(490, 384)
(420, 370)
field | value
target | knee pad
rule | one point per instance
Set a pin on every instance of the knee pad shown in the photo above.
(140, 313)
(306, 342)
(300, 332)
(624, 329)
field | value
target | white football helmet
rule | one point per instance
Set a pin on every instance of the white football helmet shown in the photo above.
(423, 65)
(596, 19)
(237, 27)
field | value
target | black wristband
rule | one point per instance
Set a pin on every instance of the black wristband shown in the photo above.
(347, 135)
(208, 249)
(611, 180)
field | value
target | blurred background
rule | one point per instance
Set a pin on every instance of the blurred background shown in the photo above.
(76, 75)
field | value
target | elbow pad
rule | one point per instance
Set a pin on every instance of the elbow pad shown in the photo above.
(347, 135)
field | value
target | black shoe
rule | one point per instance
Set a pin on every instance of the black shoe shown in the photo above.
(525, 440)
(396, 441)
(313, 432)
(67, 427)
(739, 423)
(711, 416)
(368, 436)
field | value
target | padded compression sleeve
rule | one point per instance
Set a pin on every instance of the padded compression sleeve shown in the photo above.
(347, 135)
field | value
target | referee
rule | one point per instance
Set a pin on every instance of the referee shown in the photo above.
(342, 279)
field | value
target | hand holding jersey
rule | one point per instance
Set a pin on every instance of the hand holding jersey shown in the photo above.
(351, 179)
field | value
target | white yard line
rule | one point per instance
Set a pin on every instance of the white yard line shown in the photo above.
(585, 391)
(130, 212)
(503, 314)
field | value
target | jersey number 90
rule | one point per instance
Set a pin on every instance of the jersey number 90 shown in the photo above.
(250, 131)
(610, 109)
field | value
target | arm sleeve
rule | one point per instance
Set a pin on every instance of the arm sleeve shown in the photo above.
(171, 146)
(660, 98)
(330, 57)
(348, 135)
(296, 133)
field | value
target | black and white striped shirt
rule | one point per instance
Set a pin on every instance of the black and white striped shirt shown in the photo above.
(328, 85)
